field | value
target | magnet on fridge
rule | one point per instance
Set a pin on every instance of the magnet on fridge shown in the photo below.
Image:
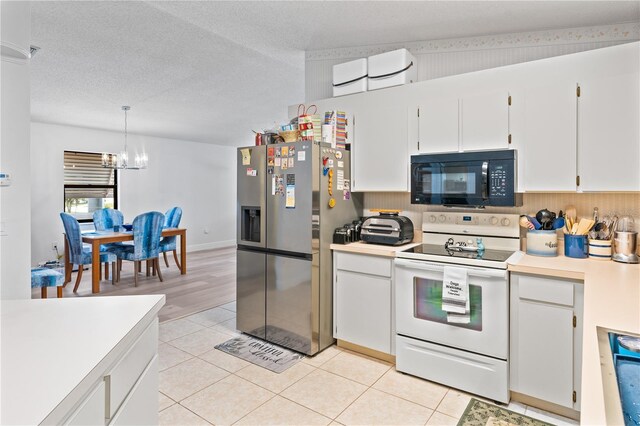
(324, 160)
(291, 162)
(270, 170)
(285, 151)
(338, 154)
(270, 161)
(330, 173)
(270, 152)
(332, 202)
(325, 170)
(346, 195)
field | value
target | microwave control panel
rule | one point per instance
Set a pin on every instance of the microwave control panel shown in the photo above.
(498, 181)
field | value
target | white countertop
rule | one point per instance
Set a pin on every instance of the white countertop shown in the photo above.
(49, 346)
(611, 300)
(372, 249)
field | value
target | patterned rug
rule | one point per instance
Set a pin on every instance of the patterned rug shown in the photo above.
(480, 413)
(261, 353)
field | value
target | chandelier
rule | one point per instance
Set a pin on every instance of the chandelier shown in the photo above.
(121, 160)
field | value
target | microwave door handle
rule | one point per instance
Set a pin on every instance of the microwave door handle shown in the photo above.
(485, 180)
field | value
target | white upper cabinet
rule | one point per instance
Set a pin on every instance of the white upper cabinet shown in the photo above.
(380, 157)
(550, 138)
(438, 129)
(608, 133)
(484, 121)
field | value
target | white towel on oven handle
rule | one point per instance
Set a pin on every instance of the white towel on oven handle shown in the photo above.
(455, 290)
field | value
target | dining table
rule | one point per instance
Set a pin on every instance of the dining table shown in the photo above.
(98, 238)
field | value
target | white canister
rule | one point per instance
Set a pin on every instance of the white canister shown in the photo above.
(600, 249)
(542, 243)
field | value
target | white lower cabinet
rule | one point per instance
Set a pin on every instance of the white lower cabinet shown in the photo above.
(141, 405)
(546, 338)
(92, 409)
(362, 297)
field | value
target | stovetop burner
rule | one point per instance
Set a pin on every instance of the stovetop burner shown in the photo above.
(439, 250)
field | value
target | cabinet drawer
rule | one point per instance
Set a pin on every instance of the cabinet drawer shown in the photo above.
(123, 376)
(91, 412)
(372, 265)
(141, 406)
(545, 289)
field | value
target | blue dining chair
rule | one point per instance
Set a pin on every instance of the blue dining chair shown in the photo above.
(78, 253)
(171, 220)
(106, 219)
(147, 230)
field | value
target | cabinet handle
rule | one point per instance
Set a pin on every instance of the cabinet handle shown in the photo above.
(107, 396)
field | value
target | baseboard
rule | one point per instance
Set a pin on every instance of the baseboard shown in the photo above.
(367, 351)
(211, 246)
(545, 405)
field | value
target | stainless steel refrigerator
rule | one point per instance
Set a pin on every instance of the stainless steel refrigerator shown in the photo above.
(291, 197)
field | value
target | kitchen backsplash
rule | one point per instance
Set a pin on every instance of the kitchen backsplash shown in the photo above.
(619, 203)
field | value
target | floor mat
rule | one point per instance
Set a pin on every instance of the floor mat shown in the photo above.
(480, 413)
(258, 352)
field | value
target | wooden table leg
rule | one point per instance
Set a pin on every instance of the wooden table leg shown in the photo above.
(95, 267)
(68, 267)
(43, 292)
(183, 252)
(59, 292)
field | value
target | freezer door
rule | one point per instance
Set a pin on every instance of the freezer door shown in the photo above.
(250, 288)
(292, 303)
(251, 229)
(290, 196)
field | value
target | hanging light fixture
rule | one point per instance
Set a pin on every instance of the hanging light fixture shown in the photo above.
(121, 160)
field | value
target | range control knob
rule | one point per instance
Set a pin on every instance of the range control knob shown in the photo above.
(493, 220)
(505, 221)
(442, 218)
(432, 218)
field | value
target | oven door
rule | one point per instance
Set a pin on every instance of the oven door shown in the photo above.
(419, 314)
(450, 182)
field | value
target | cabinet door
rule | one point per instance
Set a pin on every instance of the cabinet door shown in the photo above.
(438, 129)
(141, 405)
(379, 159)
(484, 121)
(550, 138)
(92, 409)
(363, 310)
(608, 134)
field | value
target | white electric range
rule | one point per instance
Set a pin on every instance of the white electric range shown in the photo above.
(471, 355)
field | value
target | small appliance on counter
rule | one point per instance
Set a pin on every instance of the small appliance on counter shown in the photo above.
(388, 229)
(625, 240)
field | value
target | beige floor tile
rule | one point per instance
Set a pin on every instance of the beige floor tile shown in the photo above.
(275, 382)
(228, 400)
(356, 367)
(548, 417)
(228, 327)
(177, 328)
(379, 408)
(334, 423)
(211, 317)
(188, 378)
(200, 342)
(231, 306)
(412, 388)
(322, 357)
(324, 392)
(439, 419)
(168, 356)
(178, 415)
(224, 360)
(454, 403)
(281, 411)
(164, 401)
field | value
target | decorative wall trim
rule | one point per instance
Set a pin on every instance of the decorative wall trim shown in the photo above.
(605, 33)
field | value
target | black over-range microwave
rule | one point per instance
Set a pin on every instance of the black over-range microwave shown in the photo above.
(481, 178)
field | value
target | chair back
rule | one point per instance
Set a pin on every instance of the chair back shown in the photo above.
(172, 217)
(74, 238)
(106, 219)
(147, 230)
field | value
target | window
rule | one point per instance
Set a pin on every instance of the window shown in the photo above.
(87, 185)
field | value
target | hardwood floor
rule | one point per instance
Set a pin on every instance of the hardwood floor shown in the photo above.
(210, 281)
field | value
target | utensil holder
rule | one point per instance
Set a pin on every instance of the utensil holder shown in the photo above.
(576, 246)
(542, 243)
(600, 249)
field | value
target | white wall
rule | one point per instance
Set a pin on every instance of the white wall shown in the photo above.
(198, 177)
(441, 58)
(15, 221)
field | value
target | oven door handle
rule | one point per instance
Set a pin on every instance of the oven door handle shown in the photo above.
(427, 266)
(485, 180)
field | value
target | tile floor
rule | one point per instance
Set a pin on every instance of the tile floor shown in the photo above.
(200, 385)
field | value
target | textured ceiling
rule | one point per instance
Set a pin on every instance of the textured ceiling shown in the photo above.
(212, 71)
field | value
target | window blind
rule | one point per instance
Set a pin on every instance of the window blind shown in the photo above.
(85, 169)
